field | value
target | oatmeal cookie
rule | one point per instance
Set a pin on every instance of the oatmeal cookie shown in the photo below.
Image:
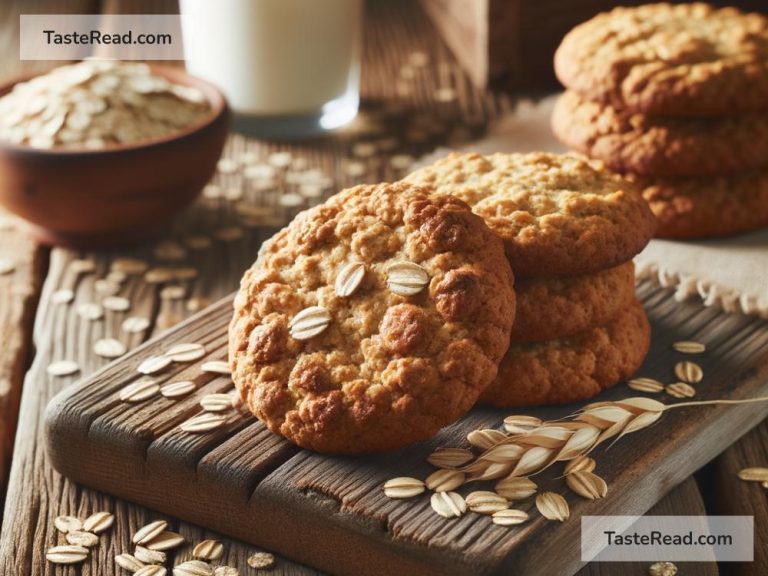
(407, 349)
(661, 146)
(550, 308)
(558, 214)
(665, 59)
(574, 368)
(708, 207)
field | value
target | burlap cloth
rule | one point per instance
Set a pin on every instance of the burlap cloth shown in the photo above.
(731, 273)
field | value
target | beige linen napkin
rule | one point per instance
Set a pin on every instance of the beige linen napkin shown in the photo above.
(731, 273)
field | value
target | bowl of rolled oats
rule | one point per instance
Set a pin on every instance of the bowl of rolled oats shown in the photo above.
(102, 153)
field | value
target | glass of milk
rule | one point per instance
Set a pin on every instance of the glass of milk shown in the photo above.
(289, 68)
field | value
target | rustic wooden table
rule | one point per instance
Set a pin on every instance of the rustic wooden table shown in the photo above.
(415, 98)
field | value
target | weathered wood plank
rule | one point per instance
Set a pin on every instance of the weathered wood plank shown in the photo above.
(734, 496)
(313, 507)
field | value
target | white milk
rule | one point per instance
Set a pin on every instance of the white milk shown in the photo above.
(276, 58)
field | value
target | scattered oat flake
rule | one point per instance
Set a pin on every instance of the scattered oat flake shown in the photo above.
(128, 562)
(754, 474)
(177, 389)
(208, 550)
(445, 480)
(516, 488)
(139, 391)
(349, 278)
(185, 352)
(509, 517)
(154, 364)
(406, 278)
(226, 571)
(261, 560)
(662, 569)
(309, 323)
(586, 484)
(98, 522)
(193, 568)
(216, 402)
(680, 390)
(553, 506)
(165, 541)
(67, 554)
(204, 422)
(689, 347)
(646, 385)
(109, 348)
(148, 556)
(135, 324)
(580, 463)
(689, 372)
(150, 531)
(216, 367)
(448, 504)
(65, 524)
(63, 368)
(62, 296)
(82, 538)
(116, 303)
(151, 570)
(403, 487)
(519, 424)
(486, 502)
(90, 311)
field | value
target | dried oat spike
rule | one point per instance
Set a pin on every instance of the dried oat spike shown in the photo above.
(448, 504)
(581, 442)
(581, 463)
(309, 323)
(98, 522)
(587, 485)
(208, 550)
(403, 487)
(445, 480)
(66, 524)
(521, 424)
(349, 279)
(81, 538)
(516, 488)
(67, 554)
(449, 457)
(689, 372)
(689, 347)
(754, 474)
(128, 562)
(485, 502)
(147, 533)
(646, 385)
(534, 460)
(406, 278)
(490, 471)
(509, 517)
(680, 390)
(553, 506)
(502, 453)
(193, 568)
(485, 438)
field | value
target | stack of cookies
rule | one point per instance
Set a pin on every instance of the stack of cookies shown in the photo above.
(676, 98)
(570, 229)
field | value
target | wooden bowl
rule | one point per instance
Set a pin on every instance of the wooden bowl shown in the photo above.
(120, 194)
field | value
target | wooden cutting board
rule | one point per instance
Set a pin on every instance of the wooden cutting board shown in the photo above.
(330, 512)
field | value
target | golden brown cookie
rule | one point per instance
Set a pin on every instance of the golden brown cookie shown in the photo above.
(708, 207)
(346, 363)
(574, 368)
(558, 214)
(550, 308)
(661, 146)
(665, 59)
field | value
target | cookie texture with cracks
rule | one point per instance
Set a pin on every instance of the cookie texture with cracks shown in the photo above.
(558, 214)
(661, 146)
(665, 59)
(574, 368)
(389, 369)
(708, 207)
(550, 308)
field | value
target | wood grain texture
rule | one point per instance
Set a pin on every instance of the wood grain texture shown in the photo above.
(313, 508)
(734, 496)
